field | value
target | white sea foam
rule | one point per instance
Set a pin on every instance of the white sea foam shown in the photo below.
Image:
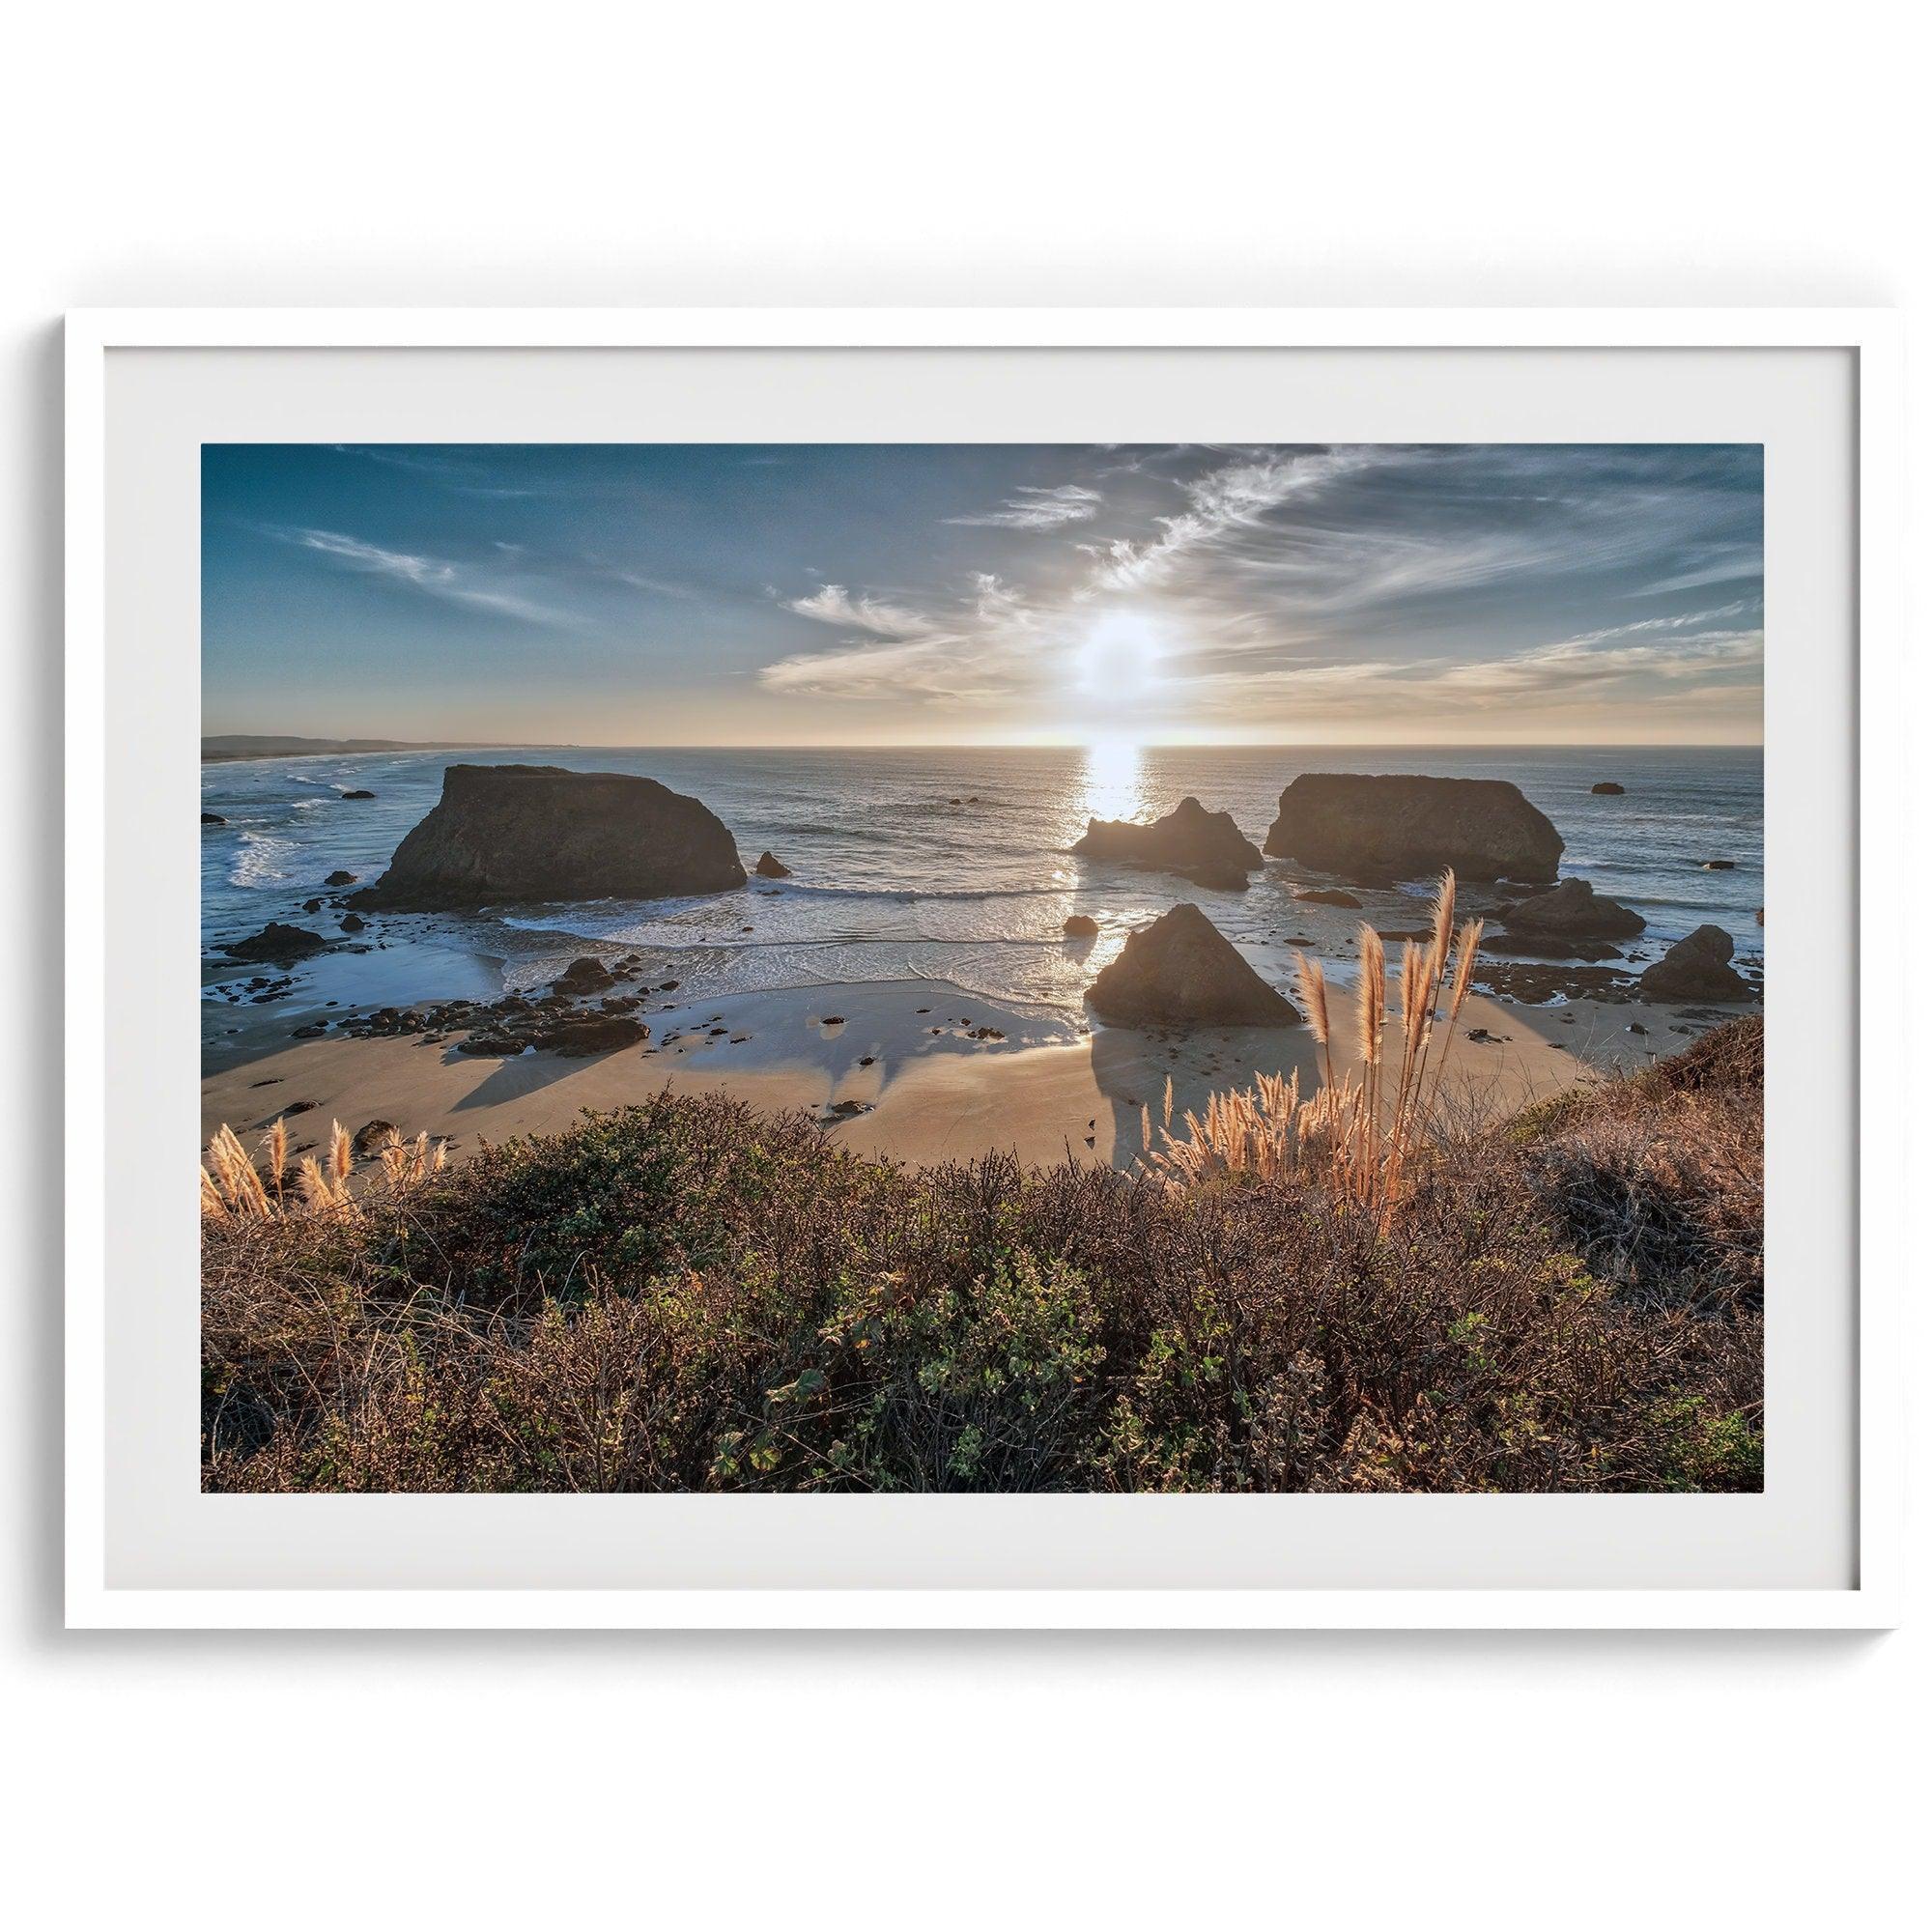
(260, 861)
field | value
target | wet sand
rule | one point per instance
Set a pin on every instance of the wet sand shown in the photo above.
(928, 1090)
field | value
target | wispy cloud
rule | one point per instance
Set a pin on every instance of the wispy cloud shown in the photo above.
(1221, 505)
(1037, 507)
(450, 473)
(473, 584)
(835, 604)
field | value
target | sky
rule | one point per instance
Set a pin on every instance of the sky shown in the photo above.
(907, 594)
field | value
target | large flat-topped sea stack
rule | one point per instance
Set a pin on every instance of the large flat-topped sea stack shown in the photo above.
(1401, 828)
(506, 833)
(1179, 971)
(1202, 845)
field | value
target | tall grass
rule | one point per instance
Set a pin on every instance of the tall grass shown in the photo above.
(236, 1189)
(1364, 1139)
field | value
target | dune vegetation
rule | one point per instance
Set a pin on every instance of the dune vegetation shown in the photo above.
(1332, 1294)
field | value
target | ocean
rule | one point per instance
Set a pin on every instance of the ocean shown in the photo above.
(948, 866)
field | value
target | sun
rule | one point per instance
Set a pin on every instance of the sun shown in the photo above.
(1119, 656)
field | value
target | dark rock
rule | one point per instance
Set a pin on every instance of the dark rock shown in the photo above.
(277, 945)
(494, 1045)
(1202, 845)
(1403, 827)
(507, 833)
(1079, 925)
(213, 818)
(352, 922)
(584, 976)
(582, 1035)
(358, 794)
(1181, 971)
(311, 905)
(1533, 986)
(1608, 788)
(369, 1136)
(1696, 968)
(338, 877)
(771, 867)
(1721, 865)
(1573, 910)
(1332, 895)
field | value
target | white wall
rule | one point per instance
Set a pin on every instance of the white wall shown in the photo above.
(832, 153)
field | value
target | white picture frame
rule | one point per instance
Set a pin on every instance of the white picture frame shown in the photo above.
(1871, 1597)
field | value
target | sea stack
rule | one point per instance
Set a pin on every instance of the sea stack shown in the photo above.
(1571, 911)
(1205, 846)
(1698, 968)
(771, 867)
(509, 833)
(1363, 827)
(1179, 971)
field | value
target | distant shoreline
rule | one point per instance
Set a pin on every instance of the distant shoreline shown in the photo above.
(231, 751)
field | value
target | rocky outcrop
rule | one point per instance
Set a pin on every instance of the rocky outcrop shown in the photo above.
(339, 877)
(581, 1036)
(1077, 925)
(213, 818)
(1608, 789)
(1179, 971)
(276, 945)
(770, 867)
(1332, 895)
(1696, 968)
(1571, 911)
(509, 833)
(588, 974)
(1400, 827)
(1202, 845)
(359, 793)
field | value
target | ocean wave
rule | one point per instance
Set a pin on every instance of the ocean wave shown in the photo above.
(257, 863)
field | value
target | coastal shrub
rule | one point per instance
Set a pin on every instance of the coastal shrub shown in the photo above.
(687, 1295)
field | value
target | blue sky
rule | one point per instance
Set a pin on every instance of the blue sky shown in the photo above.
(907, 594)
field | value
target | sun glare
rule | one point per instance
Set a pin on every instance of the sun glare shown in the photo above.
(1118, 658)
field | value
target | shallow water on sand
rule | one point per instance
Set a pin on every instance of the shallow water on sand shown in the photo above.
(948, 866)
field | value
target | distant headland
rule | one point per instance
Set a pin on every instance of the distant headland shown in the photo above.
(233, 745)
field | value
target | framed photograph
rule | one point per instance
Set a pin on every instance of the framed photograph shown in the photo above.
(981, 969)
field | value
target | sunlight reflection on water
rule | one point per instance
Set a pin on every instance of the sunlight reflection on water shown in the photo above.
(1113, 781)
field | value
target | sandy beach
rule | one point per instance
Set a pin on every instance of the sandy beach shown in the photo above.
(895, 1070)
